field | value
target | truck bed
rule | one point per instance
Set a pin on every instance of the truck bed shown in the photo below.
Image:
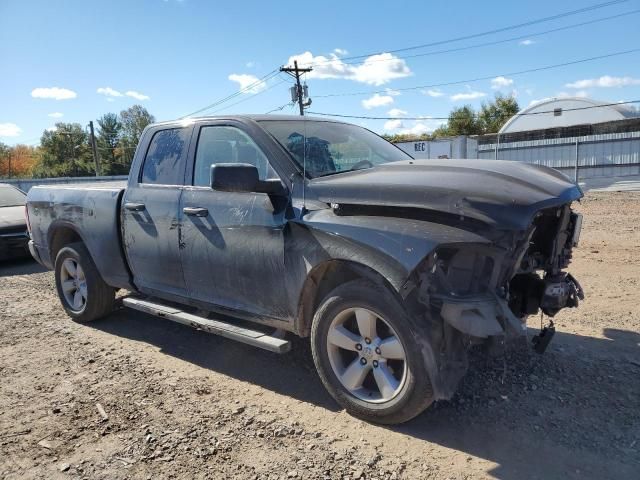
(92, 212)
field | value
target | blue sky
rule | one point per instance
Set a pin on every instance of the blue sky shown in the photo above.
(74, 60)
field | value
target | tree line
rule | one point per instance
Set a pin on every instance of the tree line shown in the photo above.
(65, 150)
(467, 121)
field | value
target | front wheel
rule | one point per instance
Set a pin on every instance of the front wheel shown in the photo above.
(367, 356)
(83, 293)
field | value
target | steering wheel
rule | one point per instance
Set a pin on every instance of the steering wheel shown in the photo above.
(361, 163)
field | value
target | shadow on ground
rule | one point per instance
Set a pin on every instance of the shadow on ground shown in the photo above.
(20, 266)
(557, 430)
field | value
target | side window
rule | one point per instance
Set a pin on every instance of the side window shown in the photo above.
(165, 160)
(218, 144)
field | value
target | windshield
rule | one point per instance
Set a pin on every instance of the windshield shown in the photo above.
(11, 197)
(332, 147)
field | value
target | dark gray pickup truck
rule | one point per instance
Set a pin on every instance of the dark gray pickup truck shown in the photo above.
(253, 226)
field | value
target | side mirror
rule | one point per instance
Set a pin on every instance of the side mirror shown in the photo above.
(243, 177)
(234, 177)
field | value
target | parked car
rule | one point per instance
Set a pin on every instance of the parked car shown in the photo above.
(13, 226)
(392, 266)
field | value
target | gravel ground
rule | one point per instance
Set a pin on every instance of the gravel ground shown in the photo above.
(133, 396)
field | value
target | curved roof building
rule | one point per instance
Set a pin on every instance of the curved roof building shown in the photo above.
(566, 112)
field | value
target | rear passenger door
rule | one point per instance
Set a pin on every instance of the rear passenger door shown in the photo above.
(151, 213)
(233, 242)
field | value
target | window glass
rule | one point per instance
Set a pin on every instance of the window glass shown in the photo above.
(325, 148)
(218, 144)
(164, 163)
(11, 197)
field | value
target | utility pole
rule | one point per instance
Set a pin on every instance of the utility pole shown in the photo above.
(94, 149)
(296, 72)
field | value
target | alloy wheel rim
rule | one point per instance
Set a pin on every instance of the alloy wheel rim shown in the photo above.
(74, 284)
(366, 355)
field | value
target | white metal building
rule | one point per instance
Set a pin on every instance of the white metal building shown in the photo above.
(566, 112)
(582, 137)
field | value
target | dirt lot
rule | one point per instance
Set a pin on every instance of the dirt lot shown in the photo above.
(182, 404)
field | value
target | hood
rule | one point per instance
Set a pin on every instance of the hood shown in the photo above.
(12, 217)
(502, 194)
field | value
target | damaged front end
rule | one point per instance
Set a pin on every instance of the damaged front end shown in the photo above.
(483, 294)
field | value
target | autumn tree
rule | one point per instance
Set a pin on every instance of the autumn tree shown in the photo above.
(5, 152)
(17, 161)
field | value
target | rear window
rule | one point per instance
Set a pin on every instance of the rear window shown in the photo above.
(11, 197)
(164, 163)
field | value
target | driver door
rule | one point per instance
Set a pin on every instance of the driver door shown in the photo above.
(232, 246)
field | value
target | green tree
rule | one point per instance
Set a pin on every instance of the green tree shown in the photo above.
(463, 121)
(64, 152)
(133, 120)
(494, 115)
(108, 141)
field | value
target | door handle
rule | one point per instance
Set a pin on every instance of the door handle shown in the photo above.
(196, 211)
(134, 207)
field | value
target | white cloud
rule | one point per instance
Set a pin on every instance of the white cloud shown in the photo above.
(136, 95)
(250, 64)
(392, 92)
(470, 95)
(501, 82)
(526, 42)
(340, 51)
(51, 129)
(377, 101)
(606, 81)
(9, 130)
(374, 70)
(55, 115)
(433, 93)
(55, 93)
(396, 112)
(392, 125)
(251, 83)
(417, 129)
(109, 92)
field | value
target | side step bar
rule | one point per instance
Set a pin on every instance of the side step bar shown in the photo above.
(217, 327)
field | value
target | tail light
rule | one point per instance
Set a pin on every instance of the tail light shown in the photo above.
(26, 217)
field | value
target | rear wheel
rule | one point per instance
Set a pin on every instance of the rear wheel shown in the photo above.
(367, 356)
(83, 293)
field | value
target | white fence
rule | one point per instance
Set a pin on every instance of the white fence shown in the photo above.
(603, 155)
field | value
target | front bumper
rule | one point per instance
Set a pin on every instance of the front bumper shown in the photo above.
(13, 245)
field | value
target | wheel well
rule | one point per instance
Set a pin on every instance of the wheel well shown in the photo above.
(324, 278)
(61, 237)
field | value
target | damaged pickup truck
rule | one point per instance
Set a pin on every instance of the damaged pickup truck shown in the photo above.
(253, 226)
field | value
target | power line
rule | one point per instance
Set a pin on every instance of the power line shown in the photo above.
(426, 117)
(488, 32)
(277, 109)
(249, 98)
(487, 77)
(496, 42)
(246, 89)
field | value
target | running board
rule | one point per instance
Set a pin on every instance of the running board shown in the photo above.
(217, 327)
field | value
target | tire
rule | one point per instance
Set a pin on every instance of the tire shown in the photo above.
(408, 392)
(96, 297)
